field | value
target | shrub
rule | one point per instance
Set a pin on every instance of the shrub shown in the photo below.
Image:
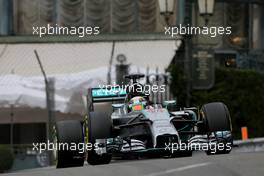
(178, 85)
(6, 158)
(242, 91)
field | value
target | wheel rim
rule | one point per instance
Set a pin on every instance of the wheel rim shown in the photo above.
(86, 135)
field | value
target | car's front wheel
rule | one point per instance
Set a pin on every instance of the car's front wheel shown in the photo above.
(217, 125)
(98, 126)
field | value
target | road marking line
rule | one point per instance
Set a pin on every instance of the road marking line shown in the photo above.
(178, 169)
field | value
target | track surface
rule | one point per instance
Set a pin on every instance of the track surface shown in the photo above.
(234, 164)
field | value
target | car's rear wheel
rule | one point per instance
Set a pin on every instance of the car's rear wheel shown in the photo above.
(98, 126)
(68, 133)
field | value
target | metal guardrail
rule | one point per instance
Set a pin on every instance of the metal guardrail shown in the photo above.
(95, 38)
(25, 152)
(250, 145)
(252, 60)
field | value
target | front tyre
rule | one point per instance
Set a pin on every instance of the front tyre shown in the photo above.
(217, 125)
(98, 126)
(216, 117)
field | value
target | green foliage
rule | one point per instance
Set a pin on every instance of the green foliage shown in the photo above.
(242, 91)
(178, 85)
(6, 158)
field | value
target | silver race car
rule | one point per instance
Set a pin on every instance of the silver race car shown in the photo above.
(138, 127)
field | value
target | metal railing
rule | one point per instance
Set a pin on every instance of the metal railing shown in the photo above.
(251, 60)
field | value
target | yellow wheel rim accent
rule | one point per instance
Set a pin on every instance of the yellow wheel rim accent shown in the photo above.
(86, 134)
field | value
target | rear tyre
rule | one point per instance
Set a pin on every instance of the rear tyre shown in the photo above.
(69, 132)
(98, 126)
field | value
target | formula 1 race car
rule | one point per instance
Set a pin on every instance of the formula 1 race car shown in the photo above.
(138, 127)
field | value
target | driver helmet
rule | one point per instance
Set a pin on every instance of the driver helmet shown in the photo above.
(137, 103)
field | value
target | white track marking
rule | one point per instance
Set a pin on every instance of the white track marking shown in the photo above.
(178, 169)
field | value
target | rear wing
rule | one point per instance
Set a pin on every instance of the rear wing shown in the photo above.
(107, 94)
(100, 95)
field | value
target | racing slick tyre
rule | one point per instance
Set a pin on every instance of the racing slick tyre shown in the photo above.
(216, 117)
(217, 123)
(98, 126)
(68, 132)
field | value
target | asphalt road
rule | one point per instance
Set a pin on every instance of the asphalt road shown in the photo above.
(234, 164)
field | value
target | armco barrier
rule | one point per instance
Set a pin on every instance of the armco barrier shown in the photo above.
(250, 145)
